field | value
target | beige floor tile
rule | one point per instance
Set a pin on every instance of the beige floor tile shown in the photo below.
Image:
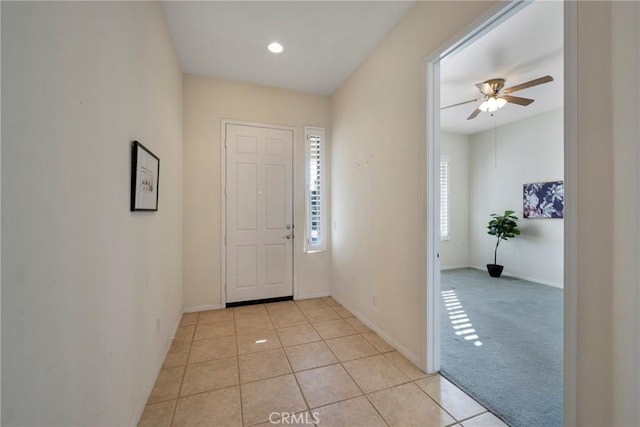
(250, 309)
(357, 324)
(206, 331)
(298, 335)
(331, 302)
(211, 375)
(279, 394)
(375, 373)
(304, 419)
(327, 385)
(351, 347)
(189, 319)
(215, 315)
(266, 364)
(216, 348)
(177, 355)
(342, 312)
(157, 414)
(311, 304)
(484, 420)
(407, 405)
(253, 342)
(450, 397)
(280, 305)
(287, 318)
(356, 412)
(405, 365)
(184, 334)
(253, 322)
(321, 315)
(311, 355)
(167, 385)
(381, 345)
(334, 329)
(215, 408)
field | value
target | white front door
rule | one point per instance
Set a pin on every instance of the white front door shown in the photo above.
(259, 212)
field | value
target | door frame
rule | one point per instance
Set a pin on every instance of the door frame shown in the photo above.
(223, 199)
(496, 15)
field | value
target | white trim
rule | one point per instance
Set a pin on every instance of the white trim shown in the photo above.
(223, 199)
(198, 308)
(315, 295)
(521, 277)
(570, 386)
(431, 218)
(454, 267)
(395, 344)
(135, 419)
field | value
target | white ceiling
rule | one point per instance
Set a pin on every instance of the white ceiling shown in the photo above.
(324, 41)
(526, 46)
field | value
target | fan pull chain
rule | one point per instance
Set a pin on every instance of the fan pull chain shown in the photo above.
(495, 140)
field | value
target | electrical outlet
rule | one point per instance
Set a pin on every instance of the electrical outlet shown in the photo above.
(158, 325)
(373, 298)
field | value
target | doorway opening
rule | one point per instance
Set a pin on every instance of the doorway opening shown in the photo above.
(493, 337)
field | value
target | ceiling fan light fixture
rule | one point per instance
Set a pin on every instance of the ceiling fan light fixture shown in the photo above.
(492, 104)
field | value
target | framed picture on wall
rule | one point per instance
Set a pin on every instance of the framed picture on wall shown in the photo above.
(145, 175)
(543, 200)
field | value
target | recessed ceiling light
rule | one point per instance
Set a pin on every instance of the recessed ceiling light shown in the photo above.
(275, 47)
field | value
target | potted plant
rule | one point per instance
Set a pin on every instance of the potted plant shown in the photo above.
(504, 227)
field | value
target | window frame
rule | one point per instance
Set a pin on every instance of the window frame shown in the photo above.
(313, 131)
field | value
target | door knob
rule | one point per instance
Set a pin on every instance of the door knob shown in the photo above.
(288, 236)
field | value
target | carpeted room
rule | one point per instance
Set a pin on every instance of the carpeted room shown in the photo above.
(501, 338)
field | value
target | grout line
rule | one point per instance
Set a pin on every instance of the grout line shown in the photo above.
(235, 329)
(184, 370)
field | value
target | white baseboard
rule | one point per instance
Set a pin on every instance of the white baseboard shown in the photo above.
(202, 308)
(401, 349)
(454, 267)
(136, 417)
(316, 295)
(528, 279)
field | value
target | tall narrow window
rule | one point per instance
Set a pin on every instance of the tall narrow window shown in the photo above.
(444, 198)
(315, 170)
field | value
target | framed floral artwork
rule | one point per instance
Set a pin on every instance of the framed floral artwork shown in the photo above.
(543, 200)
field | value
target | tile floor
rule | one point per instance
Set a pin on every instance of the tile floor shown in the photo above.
(257, 365)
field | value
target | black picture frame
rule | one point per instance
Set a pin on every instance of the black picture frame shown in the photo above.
(145, 179)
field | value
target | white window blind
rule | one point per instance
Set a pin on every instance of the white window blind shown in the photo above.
(444, 198)
(315, 156)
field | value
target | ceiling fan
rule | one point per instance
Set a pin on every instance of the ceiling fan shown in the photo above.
(495, 97)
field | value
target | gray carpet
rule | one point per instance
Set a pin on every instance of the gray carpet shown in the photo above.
(516, 371)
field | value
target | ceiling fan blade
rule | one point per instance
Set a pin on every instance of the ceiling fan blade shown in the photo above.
(474, 114)
(517, 100)
(485, 88)
(460, 103)
(531, 83)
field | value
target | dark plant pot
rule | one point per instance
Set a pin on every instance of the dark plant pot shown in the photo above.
(494, 270)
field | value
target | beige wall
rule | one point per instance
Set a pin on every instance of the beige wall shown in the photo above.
(378, 149)
(454, 252)
(528, 151)
(91, 292)
(626, 219)
(206, 102)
